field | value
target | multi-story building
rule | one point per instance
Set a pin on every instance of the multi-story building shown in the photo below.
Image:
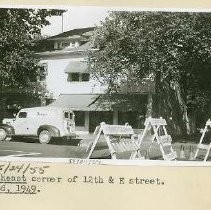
(68, 81)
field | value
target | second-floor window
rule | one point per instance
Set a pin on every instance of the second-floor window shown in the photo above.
(85, 77)
(42, 72)
(78, 77)
(62, 44)
(73, 77)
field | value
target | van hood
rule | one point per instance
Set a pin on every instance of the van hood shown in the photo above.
(8, 121)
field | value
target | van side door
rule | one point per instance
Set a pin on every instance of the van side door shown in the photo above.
(21, 124)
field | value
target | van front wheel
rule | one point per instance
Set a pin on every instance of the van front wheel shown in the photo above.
(3, 134)
(44, 137)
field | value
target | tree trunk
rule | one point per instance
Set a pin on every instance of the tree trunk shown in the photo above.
(182, 106)
(167, 103)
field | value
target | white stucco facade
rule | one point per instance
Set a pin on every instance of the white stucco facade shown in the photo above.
(66, 59)
(57, 82)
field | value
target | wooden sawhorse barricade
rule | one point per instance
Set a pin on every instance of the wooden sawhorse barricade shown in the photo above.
(160, 135)
(119, 138)
(202, 146)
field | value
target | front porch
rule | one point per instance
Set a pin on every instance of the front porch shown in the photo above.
(90, 111)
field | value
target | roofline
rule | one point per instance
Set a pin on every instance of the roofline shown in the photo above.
(62, 52)
(94, 94)
(91, 27)
(44, 107)
(99, 94)
(64, 38)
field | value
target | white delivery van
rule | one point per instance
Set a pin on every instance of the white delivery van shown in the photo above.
(42, 122)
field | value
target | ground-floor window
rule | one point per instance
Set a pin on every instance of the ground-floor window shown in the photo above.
(95, 118)
(79, 118)
(135, 119)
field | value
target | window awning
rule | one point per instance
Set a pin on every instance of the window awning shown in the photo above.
(76, 66)
(79, 102)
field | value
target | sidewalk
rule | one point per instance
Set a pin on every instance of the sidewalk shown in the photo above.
(101, 149)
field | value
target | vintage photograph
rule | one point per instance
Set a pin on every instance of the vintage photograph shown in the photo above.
(105, 83)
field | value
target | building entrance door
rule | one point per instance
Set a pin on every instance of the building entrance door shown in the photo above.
(95, 118)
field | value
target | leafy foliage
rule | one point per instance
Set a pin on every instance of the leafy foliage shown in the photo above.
(18, 31)
(173, 49)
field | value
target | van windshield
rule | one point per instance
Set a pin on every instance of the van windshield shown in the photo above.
(22, 115)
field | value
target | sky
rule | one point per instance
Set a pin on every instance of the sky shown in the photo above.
(87, 16)
(75, 17)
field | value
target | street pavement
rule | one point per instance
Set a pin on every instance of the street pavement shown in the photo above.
(59, 148)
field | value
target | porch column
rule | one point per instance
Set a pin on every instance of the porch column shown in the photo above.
(149, 105)
(115, 117)
(87, 120)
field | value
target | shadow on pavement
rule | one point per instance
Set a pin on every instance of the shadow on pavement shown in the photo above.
(54, 141)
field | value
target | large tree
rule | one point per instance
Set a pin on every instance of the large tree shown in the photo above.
(173, 49)
(19, 30)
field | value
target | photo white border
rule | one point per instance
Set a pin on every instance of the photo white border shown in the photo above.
(119, 162)
(111, 8)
